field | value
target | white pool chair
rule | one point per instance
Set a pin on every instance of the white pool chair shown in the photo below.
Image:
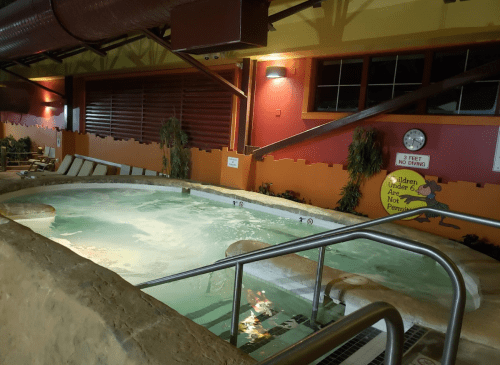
(44, 162)
(38, 158)
(87, 168)
(151, 173)
(100, 170)
(75, 167)
(125, 170)
(63, 168)
(137, 171)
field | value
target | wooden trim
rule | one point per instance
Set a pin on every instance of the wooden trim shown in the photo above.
(475, 74)
(105, 75)
(325, 115)
(251, 101)
(364, 82)
(234, 109)
(407, 50)
(412, 118)
(243, 116)
(311, 66)
(79, 101)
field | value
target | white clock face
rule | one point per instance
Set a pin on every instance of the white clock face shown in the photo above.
(414, 139)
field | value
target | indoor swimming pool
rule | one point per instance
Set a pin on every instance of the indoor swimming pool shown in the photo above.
(143, 234)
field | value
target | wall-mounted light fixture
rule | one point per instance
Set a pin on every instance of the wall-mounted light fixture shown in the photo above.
(273, 72)
(52, 104)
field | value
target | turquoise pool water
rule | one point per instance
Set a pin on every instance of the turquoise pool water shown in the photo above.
(146, 234)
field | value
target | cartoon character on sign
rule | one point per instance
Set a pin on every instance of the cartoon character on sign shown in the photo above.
(428, 191)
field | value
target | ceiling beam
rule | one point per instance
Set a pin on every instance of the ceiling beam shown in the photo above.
(194, 62)
(475, 74)
(122, 43)
(17, 62)
(50, 56)
(33, 83)
(94, 49)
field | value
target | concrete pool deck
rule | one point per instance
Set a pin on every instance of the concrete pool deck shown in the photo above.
(479, 326)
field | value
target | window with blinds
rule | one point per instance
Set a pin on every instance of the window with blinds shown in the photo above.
(136, 107)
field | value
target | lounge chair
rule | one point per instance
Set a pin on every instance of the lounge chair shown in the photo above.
(125, 170)
(151, 173)
(87, 168)
(75, 167)
(100, 170)
(63, 168)
(137, 171)
(38, 158)
(44, 162)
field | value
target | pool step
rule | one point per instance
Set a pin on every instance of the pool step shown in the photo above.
(366, 348)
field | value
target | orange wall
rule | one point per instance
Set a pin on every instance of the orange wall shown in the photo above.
(205, 166)
(131, 152)
(240, 177)
(319, 184)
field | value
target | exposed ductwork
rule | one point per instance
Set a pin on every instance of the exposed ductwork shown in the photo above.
(35, 26)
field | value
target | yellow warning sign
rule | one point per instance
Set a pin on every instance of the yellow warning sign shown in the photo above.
(394, 188)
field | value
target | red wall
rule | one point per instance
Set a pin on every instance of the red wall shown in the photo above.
(457, 152)
(43, 116)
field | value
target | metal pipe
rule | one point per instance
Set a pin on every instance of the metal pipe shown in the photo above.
(390, 218)
(458, 306)
(235, 316)
(200, 66)
(293, 10)
(326, 339)
(317, 284)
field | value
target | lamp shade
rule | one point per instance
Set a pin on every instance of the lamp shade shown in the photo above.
(273, 72)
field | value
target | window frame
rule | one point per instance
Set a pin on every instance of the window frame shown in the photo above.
(310, 86)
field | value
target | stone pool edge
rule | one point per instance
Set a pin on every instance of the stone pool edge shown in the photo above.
(478, 326)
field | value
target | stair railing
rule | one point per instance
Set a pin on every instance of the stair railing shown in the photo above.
(371, 223)
(333, 335)
(458, 305)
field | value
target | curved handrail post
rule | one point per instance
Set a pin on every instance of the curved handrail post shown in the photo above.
(317, 284)
(235, 316)
(326, 339)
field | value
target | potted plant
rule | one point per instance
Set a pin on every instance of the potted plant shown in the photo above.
(173, 142)
(364, 160)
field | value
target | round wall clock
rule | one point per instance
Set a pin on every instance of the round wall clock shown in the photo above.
(414, 139)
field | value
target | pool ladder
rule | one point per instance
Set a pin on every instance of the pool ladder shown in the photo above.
(336, 333)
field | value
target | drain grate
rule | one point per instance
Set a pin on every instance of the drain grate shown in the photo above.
(356, 343)
(414, 334)
(350, 347)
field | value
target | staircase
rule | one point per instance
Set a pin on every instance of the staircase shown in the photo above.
(270, 334)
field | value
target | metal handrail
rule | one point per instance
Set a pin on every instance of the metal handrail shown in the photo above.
(331, 336)
(374, 222)
(458, 305)
(390, 218)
